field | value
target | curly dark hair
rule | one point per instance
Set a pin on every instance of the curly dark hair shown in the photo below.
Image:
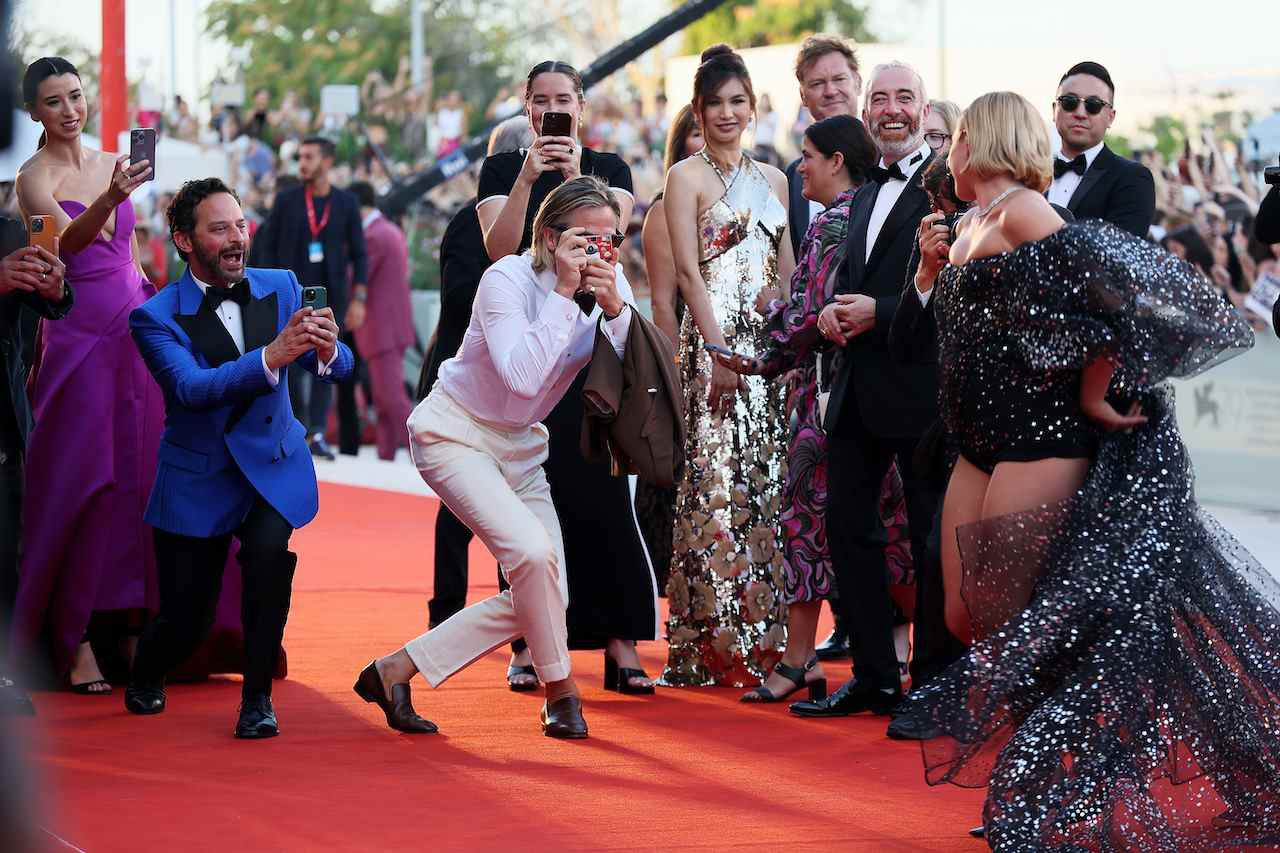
(182, 210)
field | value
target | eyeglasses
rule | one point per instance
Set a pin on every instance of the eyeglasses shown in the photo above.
(1092, 104)
(937, 139)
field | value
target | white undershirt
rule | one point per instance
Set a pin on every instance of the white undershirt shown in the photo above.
(525, 344)
(891, 191)
(1061, 190)
(229, 313)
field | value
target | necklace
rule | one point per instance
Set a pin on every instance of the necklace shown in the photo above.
(1010, 191)
(712, 163)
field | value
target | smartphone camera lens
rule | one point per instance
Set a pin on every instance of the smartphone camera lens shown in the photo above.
(37, 225)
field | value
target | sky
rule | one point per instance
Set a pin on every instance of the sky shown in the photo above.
(1156, 53)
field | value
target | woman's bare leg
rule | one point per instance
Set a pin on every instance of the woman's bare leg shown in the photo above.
(966, 492)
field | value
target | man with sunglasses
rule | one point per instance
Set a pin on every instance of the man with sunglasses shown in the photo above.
(1090, 179)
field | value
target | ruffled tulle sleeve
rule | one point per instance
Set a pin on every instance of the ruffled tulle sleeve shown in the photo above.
(1092, 290)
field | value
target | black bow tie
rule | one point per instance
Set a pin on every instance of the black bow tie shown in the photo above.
(1079, 165)
(880, 174)
(237, 293)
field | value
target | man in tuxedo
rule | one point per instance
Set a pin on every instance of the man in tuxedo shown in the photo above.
(879, 409)
(233, 458)
(31, 278)
(1090, 179)
(314, 230)
(381, 318)
(827, 70)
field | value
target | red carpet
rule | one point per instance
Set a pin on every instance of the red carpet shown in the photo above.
(684, 770)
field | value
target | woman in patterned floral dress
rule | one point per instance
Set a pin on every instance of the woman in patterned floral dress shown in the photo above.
(727, 219)
(837, 154)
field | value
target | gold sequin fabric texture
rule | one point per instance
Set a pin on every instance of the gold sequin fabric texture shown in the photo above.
(727, 617)
(1122, 692)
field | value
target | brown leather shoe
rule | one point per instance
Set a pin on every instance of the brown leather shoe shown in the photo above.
(563, 718)
(398, 709)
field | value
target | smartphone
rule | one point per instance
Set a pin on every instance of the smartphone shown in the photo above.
(41, 231)
(598, 244)
(142, 146)
(719, 350)
(315, 298)
(556, 124)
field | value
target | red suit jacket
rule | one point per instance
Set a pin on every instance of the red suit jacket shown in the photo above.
(388, 323)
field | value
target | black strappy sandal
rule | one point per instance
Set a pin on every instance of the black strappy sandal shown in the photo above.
(522, 686)
(619, 678)
(86, 689)
(798, 676)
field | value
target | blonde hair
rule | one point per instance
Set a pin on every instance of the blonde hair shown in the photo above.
(949, 111)
(586, 191)
(1007, 136)
(819, 45)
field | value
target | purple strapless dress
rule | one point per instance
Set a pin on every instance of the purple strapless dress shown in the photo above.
(91, 462)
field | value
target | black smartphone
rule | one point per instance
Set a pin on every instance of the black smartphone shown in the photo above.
(142, 146)
(556, 124)
(315, 298)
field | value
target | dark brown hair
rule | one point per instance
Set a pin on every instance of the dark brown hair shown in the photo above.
(553, 66)
(819, 45)
(39, 71)
(182, 210)
(720, 64)
(848, 136)
(938, 183)
(679, 132)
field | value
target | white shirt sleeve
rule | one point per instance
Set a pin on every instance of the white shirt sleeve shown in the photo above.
(524, 352)
(326, 368)
(273, 376)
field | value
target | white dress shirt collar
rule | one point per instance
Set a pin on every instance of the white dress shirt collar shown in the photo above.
(911, 163)
(373, 215)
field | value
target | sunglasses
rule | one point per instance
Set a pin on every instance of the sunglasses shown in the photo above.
(1092, 104)
(615, 238)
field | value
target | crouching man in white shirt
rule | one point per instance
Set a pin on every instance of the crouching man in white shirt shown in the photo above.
(478, 442)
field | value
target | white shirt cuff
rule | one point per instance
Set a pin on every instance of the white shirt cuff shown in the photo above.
(617, 329)
(326, 368)
(273, 376)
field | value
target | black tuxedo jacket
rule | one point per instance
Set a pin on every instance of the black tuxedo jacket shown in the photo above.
(1118, 191)
(287, 237)
(797, 208)
(890, 400)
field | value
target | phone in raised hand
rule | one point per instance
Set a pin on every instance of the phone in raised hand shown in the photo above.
(142, 146)
(556, 124)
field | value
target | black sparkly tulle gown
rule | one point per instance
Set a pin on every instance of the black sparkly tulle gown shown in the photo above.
(1121, 691)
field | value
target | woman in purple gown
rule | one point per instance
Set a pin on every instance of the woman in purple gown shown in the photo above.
(98, 414)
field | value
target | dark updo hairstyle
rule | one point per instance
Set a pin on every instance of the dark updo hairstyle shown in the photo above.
(940, 185)
(554, 66)
(847, 135)
(182, 210)
(36, 73)
(720, 64)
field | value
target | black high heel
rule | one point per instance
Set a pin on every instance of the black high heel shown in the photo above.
(799, 678)
(619, 678)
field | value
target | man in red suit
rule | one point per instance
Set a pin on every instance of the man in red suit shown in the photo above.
(382, 320)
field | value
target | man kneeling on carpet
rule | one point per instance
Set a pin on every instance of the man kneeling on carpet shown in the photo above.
(233, 460)
(478, 442)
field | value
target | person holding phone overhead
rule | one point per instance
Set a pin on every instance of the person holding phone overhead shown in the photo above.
(98, 413)
(613, 601)
(727, 219)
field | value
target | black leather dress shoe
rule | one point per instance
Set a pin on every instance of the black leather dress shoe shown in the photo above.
(834, 647)
(978, 832)
(851, 698)
(398, 709)
(257, 718)
(321, 448)
(563, 718)
(911, 727)
(14, 701)
(144, 700)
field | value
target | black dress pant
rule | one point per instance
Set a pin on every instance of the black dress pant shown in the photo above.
(11, 484)
(312, 398)
(190, 578)
(348, 413)
(857, 462)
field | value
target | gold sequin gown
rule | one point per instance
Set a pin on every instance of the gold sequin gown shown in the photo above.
(727, 618)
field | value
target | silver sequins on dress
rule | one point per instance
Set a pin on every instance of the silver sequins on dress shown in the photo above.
(727, 617)
(1122, 690)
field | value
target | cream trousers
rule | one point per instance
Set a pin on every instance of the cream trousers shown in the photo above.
(492, 480)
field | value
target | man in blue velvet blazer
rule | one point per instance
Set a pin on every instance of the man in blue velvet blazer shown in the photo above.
(233, 460)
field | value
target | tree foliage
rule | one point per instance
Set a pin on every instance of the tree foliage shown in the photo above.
(306, 44)
(1170, 134)
(753, 23)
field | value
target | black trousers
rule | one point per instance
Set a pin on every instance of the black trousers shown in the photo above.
(190, 577)
(311, 399)
(857, 462)
(11, 484)
(451, 570)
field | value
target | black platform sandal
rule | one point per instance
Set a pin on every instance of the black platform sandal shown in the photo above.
(618, 678)
(522, 686)
(798, 676)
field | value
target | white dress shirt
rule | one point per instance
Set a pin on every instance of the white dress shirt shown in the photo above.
(525, 344)
(1061, 190)
(229, 313)
(891, 191)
